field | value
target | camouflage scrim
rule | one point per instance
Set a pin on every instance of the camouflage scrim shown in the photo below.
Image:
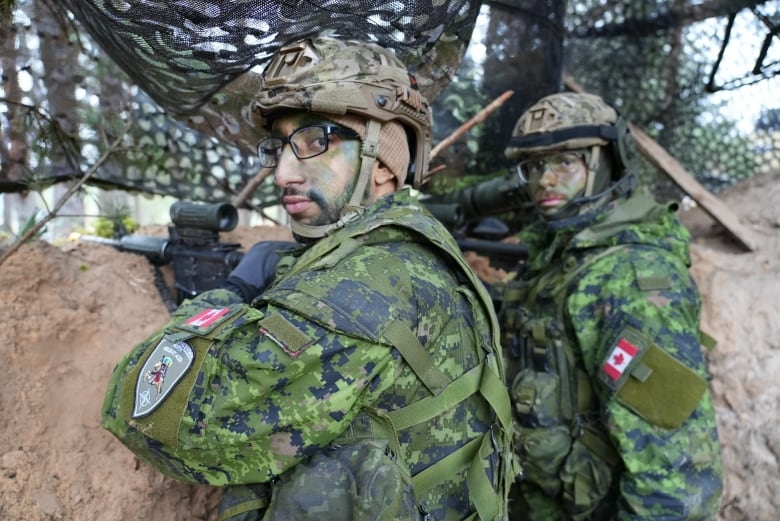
(629, 430)
(202, 60)
(321, 360)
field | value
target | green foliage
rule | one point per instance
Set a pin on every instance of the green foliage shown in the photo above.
(29, 224)
(115, 226)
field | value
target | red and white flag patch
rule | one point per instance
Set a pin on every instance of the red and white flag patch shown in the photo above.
(206, 317)
(619, 359)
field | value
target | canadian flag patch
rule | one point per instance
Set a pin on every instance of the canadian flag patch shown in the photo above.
(619, 359)
(207, 317)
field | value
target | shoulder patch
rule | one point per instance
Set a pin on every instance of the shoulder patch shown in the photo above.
(164, 368)
(651, 382)
(616, 365)
(207, 320)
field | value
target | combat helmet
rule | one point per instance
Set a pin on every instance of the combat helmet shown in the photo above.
(347, 77)
(577, 121)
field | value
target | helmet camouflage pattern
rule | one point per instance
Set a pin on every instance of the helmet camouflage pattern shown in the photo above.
(331, 76)
(563, 121)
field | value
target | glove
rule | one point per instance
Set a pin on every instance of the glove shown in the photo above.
(257, 269)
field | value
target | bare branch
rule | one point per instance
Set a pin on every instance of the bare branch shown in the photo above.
(61, 202)
(479, 117)
(251, 186)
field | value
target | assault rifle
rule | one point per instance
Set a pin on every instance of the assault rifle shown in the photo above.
(200, 261)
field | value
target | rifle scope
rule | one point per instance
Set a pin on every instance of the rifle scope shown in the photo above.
(220, 217)
(450, 214)
(491, 197)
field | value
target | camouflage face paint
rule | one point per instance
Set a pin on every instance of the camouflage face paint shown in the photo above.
(556, 180)
(315, 190)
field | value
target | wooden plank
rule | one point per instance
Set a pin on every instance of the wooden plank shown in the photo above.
(664, 161)
(716, 208)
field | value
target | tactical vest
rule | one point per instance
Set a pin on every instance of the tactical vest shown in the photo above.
(489, 494)
(561, 446)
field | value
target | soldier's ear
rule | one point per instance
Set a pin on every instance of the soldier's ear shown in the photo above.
(382, 175)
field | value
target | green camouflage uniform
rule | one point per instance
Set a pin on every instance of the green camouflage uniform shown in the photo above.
(376, 332)
(614, 419)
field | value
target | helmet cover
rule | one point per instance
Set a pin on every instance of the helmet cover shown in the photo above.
(336, 77)
(563, 121)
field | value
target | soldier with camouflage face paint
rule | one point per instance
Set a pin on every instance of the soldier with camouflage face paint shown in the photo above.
(613, 415)
(366, 381)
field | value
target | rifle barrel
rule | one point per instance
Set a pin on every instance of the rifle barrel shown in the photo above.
(153, 248)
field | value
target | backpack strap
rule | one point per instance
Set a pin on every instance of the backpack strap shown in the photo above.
(482, 378)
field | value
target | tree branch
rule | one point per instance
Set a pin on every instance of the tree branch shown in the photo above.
(479, 117)
(61, 202)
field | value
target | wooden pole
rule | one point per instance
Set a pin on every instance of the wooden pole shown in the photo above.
(251, 186)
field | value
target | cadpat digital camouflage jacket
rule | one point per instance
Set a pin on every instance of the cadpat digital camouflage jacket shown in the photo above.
(601, 334)
(379, 330)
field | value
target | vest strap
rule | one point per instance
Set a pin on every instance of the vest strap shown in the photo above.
(482, 492)
(432, 406)
(401, 337)
(447, 466)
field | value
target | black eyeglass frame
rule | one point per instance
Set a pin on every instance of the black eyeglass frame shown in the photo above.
(327, 131)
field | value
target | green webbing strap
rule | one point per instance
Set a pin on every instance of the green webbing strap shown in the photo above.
(413, 352)
(432, 406)
(243, 508)
(568, 383)
(449, 465)
(479, 378)
(485, 498)
(601, 448)
(493, 389)
(472, 455)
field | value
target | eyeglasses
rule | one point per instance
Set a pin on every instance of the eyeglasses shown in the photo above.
(306, 142)
(562, 165)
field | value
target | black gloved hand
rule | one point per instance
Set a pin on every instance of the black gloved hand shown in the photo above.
(257, 268)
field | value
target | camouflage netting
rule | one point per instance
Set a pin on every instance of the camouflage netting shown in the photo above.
(700, 78)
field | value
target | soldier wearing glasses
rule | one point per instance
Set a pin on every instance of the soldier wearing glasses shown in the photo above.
(613, 415)
(358, 373)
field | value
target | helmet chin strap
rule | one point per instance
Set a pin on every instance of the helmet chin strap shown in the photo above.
(354, 207)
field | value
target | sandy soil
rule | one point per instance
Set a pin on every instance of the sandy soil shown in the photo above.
(70, 313)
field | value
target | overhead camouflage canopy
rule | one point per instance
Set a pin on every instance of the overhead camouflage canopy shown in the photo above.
(201, 60)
